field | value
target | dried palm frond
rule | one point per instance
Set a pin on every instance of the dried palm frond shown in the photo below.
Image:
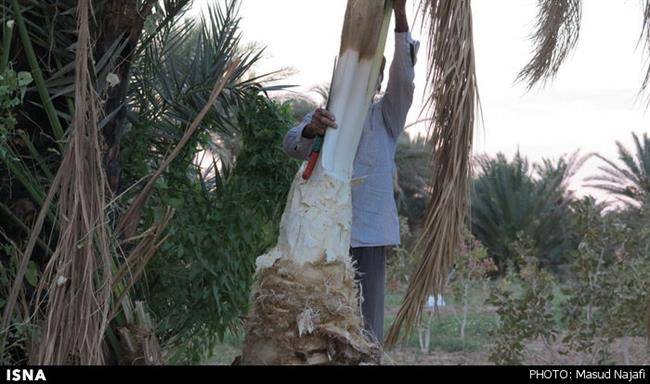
(137, 333)
(556, 34)
(452, 101)
(78, 278)
(139, 343)
(26, 256)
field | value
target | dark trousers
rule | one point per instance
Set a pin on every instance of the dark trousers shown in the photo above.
(370, 263)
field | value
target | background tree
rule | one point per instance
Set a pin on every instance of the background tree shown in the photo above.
(413, 179)
(511, 198)
(628, 181)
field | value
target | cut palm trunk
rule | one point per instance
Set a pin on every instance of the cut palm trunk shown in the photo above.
(305, 307)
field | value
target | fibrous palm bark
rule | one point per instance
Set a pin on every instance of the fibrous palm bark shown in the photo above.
(305, 307)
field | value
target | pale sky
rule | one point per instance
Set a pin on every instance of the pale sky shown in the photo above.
(591, 103)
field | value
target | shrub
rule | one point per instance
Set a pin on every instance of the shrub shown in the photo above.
(472, 267)
(608, 290)
(401, 262)
(523, 302)
(198, 284)
(606, 293)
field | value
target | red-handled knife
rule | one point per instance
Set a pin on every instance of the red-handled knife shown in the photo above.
(318, 143)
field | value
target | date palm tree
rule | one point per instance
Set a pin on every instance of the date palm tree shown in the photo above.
(89, 83)
(629, 180)
(510, 198)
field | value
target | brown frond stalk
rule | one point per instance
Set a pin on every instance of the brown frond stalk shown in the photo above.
(452, 102)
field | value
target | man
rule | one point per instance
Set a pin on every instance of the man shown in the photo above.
(375, 224)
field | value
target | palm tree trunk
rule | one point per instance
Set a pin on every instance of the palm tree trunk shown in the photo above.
(305, 304)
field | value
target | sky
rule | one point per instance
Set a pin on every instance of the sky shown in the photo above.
(593, 102)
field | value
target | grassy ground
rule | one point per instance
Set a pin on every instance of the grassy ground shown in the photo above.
(444, 326)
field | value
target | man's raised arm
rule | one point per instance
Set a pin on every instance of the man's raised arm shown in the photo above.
(398, 97)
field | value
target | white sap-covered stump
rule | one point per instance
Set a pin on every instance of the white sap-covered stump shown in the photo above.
(305, 304)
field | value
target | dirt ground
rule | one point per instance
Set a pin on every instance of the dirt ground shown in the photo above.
(536, 354)
(413, 356)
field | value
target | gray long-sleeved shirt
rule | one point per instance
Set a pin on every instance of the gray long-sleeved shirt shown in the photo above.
(374, 212)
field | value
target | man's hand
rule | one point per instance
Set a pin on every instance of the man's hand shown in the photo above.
(401, 23)
(320, 121)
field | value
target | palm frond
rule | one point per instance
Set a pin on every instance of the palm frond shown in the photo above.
(37, 73)
(452, 101)
(629, 178)
(642, 155)
(556, 34)
(170, 11)
(625, 156)
(172, 79)
(172, 82)
(623, 191)
(614, 174)
(645, 37)
(129, 220)
(77, 311)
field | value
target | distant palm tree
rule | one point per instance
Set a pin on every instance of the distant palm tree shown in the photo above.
(629, 180)
(322, 91)
(300, 105)
(513, 197)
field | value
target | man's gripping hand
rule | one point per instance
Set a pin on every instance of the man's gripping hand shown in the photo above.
(321, 120)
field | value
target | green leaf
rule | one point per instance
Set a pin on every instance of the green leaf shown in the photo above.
(32, 274)
(24, 79)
